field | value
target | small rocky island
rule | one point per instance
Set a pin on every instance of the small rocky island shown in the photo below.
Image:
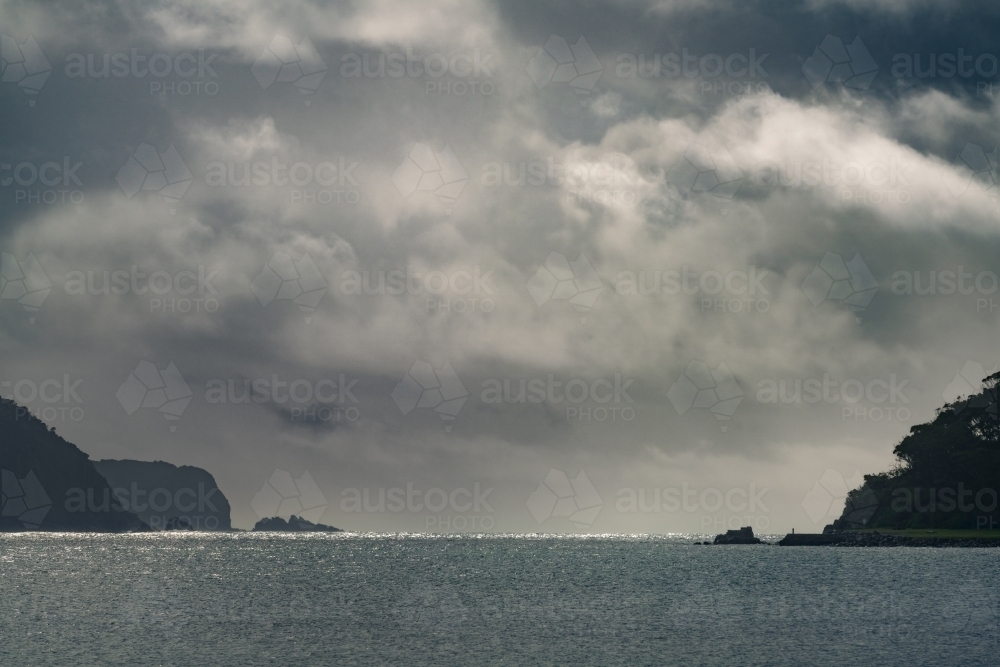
(294, 524)
(742, 536)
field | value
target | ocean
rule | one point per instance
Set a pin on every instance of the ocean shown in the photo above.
(355, 599)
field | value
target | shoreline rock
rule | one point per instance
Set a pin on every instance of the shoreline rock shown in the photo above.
(295, 524)
(877, 539)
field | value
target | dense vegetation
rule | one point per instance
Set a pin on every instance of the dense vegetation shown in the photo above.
(40, 471)
(947, 473)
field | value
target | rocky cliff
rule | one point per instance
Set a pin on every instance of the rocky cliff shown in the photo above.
(49, 484)
(166, 496)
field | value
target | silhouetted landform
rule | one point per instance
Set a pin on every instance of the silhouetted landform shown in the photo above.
(49, 484)
(295, 524)
(947, 474)
(168, 497)
(854, 538)
(742, 536)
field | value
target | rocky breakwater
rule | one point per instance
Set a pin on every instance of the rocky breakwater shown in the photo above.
(876, 539)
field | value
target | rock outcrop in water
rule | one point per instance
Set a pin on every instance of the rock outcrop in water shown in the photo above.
(295, 524)
(742, 536)
(49, 484)
(168, 497)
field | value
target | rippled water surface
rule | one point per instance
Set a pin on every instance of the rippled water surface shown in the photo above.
(266, 599)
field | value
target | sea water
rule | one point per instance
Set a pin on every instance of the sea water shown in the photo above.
(349, 599)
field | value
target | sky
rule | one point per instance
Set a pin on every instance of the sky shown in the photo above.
(465, 266)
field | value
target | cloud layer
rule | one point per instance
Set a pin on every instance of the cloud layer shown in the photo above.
(635, 240)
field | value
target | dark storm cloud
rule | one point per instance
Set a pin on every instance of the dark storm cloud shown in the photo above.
(305, 248)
